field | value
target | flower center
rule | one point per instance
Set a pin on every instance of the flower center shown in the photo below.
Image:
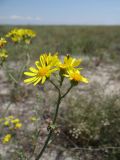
(76, 77)
(43, 71)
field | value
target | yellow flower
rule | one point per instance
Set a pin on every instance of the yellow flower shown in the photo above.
(10, 117)
(6, 123)
(45, 67)
(19, 35)
(70, 62)
(2, 42)
(51, 60)
(3, 54)
(75, 76)
(6, 138)
(15, 120)
(33, 118)
(29, 33)
(16, 39)
(18, 125)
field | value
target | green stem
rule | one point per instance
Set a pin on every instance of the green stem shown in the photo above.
(54, 121)
(57, 108)
(55, 85)
(55, 116)
(67, 92)
(45, 145)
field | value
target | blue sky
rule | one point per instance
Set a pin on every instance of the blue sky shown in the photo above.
(73, 12)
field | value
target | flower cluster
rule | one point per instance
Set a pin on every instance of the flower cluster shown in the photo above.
(48, 64)
(75, 132)
(21, 35)
(3, 52)
(11, 124)
(6, 138)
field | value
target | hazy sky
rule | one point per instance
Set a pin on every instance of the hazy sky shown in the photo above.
(60, 12)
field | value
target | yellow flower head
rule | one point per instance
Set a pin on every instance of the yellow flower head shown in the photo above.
(3, 54)
(15, 121)
(70, 62)
(10, 117)
(75, 76)
(33, 118)
(6, 138)
(18, 125)
(6, 123)
(44, 68)
(2, 42)
(51, 60)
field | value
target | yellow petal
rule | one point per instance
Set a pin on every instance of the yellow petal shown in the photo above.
(43, 79)
(83, 79)
(42, 61)
(30, 74)
(53, 70)
(37, 64)
(37, 81)
(30, 80)
(66, 75)
(76, 63)
(33, 70)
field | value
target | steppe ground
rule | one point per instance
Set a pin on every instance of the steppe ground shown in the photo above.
(89, 117)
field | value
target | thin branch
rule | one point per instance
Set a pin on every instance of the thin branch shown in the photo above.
(11, 76)
(54, 85)
(67, 92)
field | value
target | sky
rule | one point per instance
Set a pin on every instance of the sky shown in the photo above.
(60, 12)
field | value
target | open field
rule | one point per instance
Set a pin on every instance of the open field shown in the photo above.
(89, 116)
(98, 41)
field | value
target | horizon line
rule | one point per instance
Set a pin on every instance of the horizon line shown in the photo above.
(59, 24)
